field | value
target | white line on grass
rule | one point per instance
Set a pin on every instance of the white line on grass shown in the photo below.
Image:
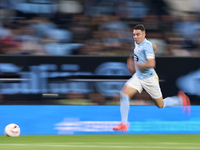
(132, 143)
(123, 143)
(101, 146)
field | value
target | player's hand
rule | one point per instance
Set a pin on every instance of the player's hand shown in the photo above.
(150, 63)
(131, 65)
(140, 65)
(155, 47)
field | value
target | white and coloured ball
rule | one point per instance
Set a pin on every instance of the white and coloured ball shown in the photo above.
(12, 130)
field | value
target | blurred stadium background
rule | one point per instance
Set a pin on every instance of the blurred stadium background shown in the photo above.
(63, 62)
(97, 27)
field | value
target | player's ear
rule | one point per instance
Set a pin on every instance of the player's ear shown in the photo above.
(143, 33)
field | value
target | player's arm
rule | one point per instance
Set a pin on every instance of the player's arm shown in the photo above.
(155, 47)
(131, 65)
(150, 55)
(150, 63)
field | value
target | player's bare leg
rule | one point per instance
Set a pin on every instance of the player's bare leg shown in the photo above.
(159, 102)
(129, 91)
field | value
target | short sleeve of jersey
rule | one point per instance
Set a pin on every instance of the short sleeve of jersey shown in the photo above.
(149, 51)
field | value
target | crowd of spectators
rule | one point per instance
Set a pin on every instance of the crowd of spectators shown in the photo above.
(94, 27)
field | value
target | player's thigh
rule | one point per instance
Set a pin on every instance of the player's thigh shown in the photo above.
(159, 102)
(152, 87)
(128, 90)
(132, 86)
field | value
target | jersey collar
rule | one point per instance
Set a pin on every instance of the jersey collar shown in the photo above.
(143, 42)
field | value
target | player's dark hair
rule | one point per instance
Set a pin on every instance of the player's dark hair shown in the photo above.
(139, 27)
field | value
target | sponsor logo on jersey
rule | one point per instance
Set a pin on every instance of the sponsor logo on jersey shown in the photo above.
(135, 57)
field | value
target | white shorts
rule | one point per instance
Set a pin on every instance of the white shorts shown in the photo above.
(151, 85)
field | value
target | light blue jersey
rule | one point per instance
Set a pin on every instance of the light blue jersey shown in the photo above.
(142, 52)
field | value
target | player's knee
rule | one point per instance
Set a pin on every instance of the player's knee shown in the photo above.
(159, 102)
(121, 93)
(160, 105)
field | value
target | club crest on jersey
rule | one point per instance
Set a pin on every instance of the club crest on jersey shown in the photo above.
(138, 48)
(135, 57)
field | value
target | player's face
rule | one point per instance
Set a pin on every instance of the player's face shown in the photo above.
(138, 36)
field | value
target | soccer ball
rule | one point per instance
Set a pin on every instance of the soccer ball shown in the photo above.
(12, 130)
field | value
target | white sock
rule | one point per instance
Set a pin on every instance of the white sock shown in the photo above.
(172, 101)
(124, 107)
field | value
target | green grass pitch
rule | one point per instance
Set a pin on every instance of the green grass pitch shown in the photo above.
(101, 142)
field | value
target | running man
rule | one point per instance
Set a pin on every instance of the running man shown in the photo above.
(145, 77)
